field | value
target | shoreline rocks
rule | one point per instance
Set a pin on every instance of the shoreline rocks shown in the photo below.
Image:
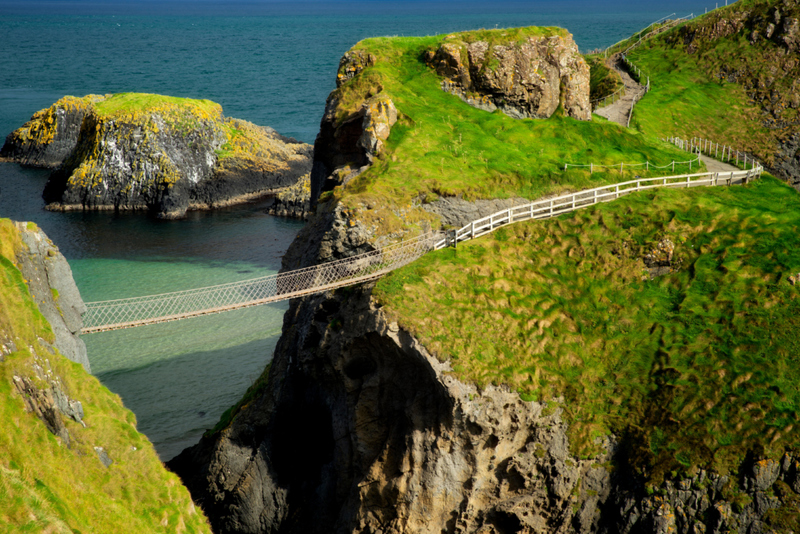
(294, 201)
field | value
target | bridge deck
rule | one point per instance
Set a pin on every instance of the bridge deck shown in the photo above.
(154, 309)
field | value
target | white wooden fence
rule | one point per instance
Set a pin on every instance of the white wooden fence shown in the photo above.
(544, 209)
(723, 153)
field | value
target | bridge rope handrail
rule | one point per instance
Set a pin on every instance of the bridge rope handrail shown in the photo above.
(151, 309)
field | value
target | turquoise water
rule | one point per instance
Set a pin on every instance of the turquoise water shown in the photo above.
(177, 377)
(271, 63)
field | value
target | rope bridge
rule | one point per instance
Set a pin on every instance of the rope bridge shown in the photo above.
(139, 311)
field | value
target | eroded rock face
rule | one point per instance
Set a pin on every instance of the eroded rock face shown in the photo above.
(164, 160)
(361, 430)
(379, 117)
(344, 148)
(51, 134)
(50, 282)
(524, 80)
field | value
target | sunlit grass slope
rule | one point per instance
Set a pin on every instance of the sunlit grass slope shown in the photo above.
(442, 146)
(711, 78)
(692, 368)
(46, 486)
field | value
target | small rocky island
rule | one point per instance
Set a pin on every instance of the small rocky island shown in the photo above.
(134, 151)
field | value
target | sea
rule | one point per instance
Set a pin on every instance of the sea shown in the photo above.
(271, 63)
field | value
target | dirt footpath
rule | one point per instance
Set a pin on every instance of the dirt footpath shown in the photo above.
(621, 109)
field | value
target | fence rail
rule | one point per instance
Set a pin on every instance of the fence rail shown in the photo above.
(544, 209)
(152, 309)
(723, 153)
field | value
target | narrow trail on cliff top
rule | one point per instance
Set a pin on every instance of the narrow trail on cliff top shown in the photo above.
(620, 110)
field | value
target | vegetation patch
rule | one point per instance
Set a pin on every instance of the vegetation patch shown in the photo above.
(46, 486)
(441, 146)
(693, 368)
(604, 81)
(721, 77)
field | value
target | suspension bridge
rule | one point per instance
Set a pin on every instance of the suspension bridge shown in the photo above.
(139, 311)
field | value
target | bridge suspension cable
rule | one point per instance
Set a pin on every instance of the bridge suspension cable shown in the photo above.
(152, 309)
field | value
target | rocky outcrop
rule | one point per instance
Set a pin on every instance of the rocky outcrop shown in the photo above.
(51, 135)
(360, 424)
(157, 154)
(528, 79)
(348, 141)
(360, 429)
(787, 160)
(294, 201)
(52, 287)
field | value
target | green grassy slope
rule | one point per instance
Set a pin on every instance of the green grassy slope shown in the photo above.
(442, 146)
(720, 77)
(46, 486)
(694, 368)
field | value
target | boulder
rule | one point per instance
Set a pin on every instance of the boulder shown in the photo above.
(527, 79)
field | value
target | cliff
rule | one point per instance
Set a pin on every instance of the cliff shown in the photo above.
(148, 152)
(567, 376)
(71, 459)
(53, 289)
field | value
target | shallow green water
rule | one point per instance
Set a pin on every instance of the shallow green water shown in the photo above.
(177, 377)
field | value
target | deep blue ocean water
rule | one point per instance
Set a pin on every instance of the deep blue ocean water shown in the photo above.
(272, 63)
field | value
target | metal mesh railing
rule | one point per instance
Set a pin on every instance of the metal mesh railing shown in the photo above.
(151, 309)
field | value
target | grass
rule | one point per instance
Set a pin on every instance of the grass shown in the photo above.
(691, 93)
(693, 368)
(604, 81)
(46, 486)
(442, 147)
(127, 104)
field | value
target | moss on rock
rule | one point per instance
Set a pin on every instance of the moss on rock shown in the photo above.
(134, 151)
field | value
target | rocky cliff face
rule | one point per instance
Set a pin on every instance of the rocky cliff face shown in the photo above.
(524, 80)
(360, 429)
(50, 281)
(163, 156)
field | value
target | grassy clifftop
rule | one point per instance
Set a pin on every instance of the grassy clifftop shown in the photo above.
(440, 146)
(49, 485)
(730, 75)
(693, 367)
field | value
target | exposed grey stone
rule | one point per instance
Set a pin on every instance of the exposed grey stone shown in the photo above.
(53, 289)
(103, 456)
